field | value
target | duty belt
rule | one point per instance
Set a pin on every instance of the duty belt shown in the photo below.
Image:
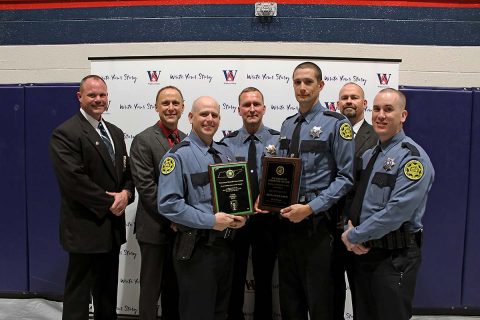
(305, 198)
(398, 239)
(212, 235)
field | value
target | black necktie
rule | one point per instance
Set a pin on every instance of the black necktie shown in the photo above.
(173, 137)
(107, 141)
(295, 142)
(356, 207)
(252, 166)
(214, 153)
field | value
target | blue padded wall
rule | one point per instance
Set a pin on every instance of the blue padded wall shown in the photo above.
(471, 279)
(47, 107)
(439, 120)
(13, 224)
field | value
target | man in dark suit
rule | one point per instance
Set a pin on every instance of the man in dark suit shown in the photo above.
(352, 104)
(93, 172)
(153, 231)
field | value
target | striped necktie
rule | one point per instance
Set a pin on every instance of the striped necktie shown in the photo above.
(107, 141)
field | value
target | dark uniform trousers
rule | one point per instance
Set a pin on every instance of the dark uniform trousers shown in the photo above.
(260, 232)
(204, 281)
(153, 256)
(385, 283)
(97, 272)
(342, 262)
(305, 269)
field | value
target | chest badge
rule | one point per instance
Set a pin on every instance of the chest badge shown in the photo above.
(271, 150)
(388, 164)
(315, 132)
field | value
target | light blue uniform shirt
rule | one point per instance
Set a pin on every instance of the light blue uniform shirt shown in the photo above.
(397, 189)
(239, 142)
(327, 152)
(184, 195)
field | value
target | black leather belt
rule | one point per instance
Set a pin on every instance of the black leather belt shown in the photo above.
(398, 239)
(308, 196)
(212, 235)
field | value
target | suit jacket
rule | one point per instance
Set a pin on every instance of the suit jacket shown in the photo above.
(365, 139)
(146, 151)
(85, 172)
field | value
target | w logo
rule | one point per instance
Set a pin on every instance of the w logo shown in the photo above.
(383, 78)
(153, 75)
(230, 75)
(330, 106)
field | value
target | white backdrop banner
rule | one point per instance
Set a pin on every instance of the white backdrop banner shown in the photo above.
(133, 84)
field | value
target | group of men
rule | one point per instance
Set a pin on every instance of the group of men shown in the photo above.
(362, 195)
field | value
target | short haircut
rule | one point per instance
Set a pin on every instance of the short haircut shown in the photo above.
(400, 95)
(196, 103)
(169, 87)
(310, 65)
(249, 89)
(354, 84)
(90, 76)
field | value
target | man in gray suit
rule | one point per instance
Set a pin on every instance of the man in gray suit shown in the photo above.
(153, 231)
(352, 104)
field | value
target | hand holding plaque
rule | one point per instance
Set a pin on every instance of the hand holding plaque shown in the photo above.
(230, 186)
(280, 183)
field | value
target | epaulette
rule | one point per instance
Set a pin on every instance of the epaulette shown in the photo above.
(293, 115)
(178, 146)
(413, 150)
(221, 143)
(230, 135)
(274, 132)
(334, 114)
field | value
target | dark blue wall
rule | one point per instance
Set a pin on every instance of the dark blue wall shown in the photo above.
(13, 215)
(294, 23)
(47, 107)
(439, 120)
(471, 275)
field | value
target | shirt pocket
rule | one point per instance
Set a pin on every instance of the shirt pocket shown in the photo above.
(382, 184)
(284, 145)
(313, 153)
(201, 186)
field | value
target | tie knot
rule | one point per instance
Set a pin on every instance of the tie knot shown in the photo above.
(252, 137)
(173, 137)
(300, 118)
(215, 156)
(211, 150)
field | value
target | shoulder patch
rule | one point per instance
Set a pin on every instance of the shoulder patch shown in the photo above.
(413, 150)
(168, 165)
(413, 170)
(178, 146)
(333, 114)
(346, 131)
(274, 132)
